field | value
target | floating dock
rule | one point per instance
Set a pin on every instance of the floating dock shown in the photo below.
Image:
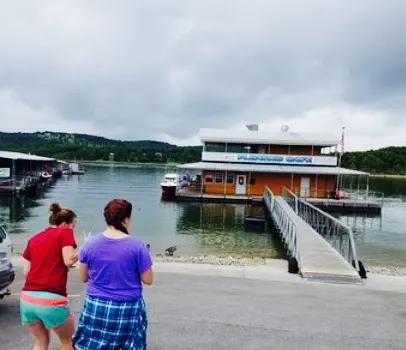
(347, 205)
(190, 196)
(364, 206)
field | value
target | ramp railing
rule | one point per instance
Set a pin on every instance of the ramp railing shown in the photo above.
(284, 223)
(339, 235)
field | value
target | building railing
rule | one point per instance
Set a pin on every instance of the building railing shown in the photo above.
(284, 223)
(338, 234)
(365, 195)
(357, 196)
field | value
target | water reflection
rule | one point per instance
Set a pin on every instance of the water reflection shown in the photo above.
(14, 211)
(219, 229)
(361, 223)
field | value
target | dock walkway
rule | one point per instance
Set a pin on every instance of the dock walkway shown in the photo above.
(316, 258)
(362, 205)
(368, 206)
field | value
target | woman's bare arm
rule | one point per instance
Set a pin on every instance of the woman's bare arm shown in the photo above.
(147, 277)
(83, 272)
(70, 257)
(26, 267)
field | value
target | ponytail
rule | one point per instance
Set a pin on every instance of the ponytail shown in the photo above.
(60, 215)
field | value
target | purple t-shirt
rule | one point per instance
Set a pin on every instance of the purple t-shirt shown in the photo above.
(114, 266)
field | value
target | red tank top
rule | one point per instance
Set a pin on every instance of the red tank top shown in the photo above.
(44, 250)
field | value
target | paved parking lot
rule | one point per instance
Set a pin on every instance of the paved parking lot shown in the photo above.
(199, 309)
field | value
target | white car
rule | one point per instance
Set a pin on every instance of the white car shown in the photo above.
(7, 274)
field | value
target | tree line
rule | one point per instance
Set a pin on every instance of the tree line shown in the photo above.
(82, 147)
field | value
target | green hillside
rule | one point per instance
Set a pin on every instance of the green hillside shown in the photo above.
(390, 160)
(93, 148)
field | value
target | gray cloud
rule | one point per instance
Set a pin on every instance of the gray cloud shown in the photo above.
(138, 69)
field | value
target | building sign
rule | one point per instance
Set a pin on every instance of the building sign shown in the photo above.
(4, 173)
(275, 159)
(269, 158)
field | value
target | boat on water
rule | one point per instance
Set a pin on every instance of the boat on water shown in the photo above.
(76, 169)
(170, 184)
(73, 169)
(45, 175)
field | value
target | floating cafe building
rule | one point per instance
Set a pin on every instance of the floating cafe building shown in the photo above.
(298, 179)
(237, 166)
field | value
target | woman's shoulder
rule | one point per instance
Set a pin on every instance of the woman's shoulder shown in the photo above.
(93, 239)
(136, 242)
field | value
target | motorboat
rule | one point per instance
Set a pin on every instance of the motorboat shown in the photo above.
(76, 169)
(170, 183)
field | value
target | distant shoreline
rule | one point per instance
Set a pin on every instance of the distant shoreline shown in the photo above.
(163, 165)
(389, 176)
(107, 162)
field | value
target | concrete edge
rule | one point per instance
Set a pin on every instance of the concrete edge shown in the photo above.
(276, 272)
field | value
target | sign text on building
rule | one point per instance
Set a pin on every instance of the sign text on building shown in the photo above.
(262, 158)
(4, 173)
(282, 159)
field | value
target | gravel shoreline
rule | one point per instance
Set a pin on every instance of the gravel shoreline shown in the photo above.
(214, 260)
(252, 261)
(243, 261)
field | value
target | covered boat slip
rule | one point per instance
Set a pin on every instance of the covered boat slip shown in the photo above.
(19, 171)
(236, 182)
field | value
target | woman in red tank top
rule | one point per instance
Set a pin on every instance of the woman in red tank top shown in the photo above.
(47, 258)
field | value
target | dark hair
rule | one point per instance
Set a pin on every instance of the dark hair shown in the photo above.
(116, 211)
(60, 215)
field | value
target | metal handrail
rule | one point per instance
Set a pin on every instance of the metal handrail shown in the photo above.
(284, 223)
(366, 196)
(358, 196)
(326, 225)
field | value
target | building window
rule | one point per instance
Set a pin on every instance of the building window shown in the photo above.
(208, 178)
(238, 148)
(214, 147)
(218, 178)
(262, 149)
(230, 179)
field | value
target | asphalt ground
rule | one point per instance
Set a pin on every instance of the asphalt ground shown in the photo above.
(206, 307)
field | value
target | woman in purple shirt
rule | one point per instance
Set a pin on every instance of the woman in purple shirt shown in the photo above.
(115, 265)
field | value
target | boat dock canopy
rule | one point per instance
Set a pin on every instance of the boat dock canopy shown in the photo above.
(263, 137)
(24, 156)
(266, 168)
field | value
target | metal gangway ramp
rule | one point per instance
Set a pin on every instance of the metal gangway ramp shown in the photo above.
(315, 257)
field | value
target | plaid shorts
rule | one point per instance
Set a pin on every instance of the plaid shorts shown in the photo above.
(111, 325)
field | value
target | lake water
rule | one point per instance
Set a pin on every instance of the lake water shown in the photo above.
(197, 229)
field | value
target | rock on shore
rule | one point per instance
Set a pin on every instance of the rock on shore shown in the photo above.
(387, 270)
(213, 260)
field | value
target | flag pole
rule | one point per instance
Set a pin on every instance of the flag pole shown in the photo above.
(340, 156)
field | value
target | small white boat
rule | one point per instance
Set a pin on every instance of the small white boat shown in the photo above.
(76, 169)
(45, 175)
(170, 183)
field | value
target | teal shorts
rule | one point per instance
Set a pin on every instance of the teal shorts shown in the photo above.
(49, 308)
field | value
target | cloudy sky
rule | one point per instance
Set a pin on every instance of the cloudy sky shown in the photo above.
(161, 69)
